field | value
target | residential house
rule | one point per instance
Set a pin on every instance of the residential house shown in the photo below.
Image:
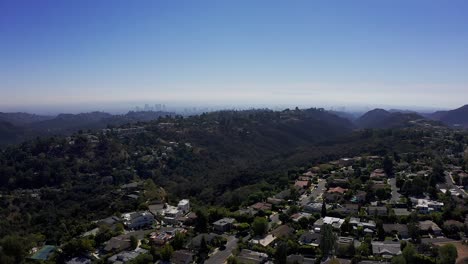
(117, 244)
(401, 211)
(335, 222)
(396, 229)
(196, 241)
(171, 214)
(275, 201)
(428, 226)
(314, 207)
(299, 259)
(334, 194)
(223, 225)
(310, 238)
(347, 209)
(283, 231)
(377, 210)
(137, 220)
(426, 206)
(339, 182)
(184, 206)
(182, 257)
(261, 206)
(156, 209)
(296, 217)
(453, 224)
(368, 227)
(126, 256)
(165, 234)
(302, 184)
(254, 257)
(386, 249)
(337, 190)
(378, 174)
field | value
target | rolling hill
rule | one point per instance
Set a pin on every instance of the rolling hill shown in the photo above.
(456, 117)
(380, 118)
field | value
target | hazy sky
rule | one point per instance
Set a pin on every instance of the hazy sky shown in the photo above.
(409, 53)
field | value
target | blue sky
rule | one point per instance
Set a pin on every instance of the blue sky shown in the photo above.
(402, 53)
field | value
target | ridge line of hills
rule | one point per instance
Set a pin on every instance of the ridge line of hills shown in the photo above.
(18, 127)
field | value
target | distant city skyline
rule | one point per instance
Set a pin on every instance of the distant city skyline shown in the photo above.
(75, 56)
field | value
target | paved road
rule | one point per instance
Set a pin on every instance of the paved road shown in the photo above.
(319, 190)
(221, 256)
(451, 185)
(395, 194)
(314, 193)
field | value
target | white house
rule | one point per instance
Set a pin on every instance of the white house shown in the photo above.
(184, 206)
(333, 221)
(426, 206)
(136, 220)
(171, 213)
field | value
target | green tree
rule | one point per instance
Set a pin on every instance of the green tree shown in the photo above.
(166, 252)
(203, 246)
(380, 230)
(232, 260)
(324, 209)
(364, 249)
(281, 252)
(201, 222)
(243, 226)
(14, 247)
(133, 242)
(303, 222)
(388, 166)
(260, 226)
(179, 240)
(447, 254)
(328, 239)
(398, 260)
(413, 231)
(437, 172)
(119, 228)
(409, 253)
